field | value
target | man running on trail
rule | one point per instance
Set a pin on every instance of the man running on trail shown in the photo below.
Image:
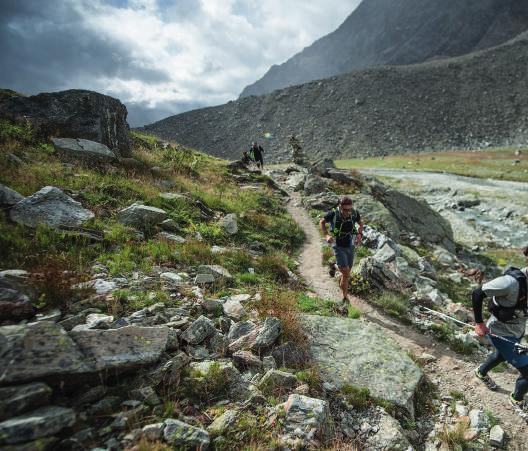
(343, 237)
(256, 154)
(508, 307)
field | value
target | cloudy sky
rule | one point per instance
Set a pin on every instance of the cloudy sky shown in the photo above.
(159, 57)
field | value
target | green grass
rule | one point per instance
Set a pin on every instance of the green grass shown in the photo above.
(500, 368)
(105, 190)
(394, 303)
(506, 257)
(494, 163)
(315, 305)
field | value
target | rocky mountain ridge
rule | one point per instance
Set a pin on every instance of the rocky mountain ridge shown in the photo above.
(472, 101)
(385, 32)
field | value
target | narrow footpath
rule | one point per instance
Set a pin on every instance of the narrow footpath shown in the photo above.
(450, 371)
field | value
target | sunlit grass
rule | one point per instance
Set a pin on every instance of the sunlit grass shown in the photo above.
(495, 163)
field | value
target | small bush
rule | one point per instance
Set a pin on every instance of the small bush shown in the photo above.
(353, 312)
(248, 278)
(358, 286)
(356, 396)
(274, 267)
(394, 303)
(454, 437)
(492, 419)
(209, 387)
(283, 305)
(54, 284)
(312, 378)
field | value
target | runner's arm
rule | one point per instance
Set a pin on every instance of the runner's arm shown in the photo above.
(477, 298)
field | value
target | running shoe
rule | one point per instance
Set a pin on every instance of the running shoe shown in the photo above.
(486, 380)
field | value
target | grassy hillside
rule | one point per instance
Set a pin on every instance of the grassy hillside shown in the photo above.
(210, 192)
(500, 163)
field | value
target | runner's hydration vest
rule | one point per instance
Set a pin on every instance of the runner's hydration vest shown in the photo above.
(337, 223)
(506, 314)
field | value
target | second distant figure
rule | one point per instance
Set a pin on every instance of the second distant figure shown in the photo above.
(256, 152)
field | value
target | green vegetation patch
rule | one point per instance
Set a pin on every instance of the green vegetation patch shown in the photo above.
(499, 163)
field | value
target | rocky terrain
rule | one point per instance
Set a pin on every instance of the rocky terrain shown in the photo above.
(472, 101)
(159, 301)
(384, 32)
(483, 213)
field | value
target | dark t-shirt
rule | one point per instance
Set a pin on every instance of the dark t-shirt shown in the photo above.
(256, 152)
(344, 228)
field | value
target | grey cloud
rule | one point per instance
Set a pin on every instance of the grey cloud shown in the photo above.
(46, 48)
(140, 114)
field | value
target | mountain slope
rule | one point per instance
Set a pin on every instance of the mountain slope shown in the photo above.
(470, 101)
(383, 32)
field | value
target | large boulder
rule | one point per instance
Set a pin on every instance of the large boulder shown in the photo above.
(9, 197)
(375, 213)
(321, 201)
(77, 149)
(74, 114)
(141, 216)
(43, 422)
(314, 184)
(38, 350)
(124, 348)
(52, 207)
(352, 352)
(415, 216)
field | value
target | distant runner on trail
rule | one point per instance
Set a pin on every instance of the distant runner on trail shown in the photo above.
(343, 237)
(256, 152)
(508, 307)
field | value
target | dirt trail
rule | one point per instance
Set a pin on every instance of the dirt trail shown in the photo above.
(450, 371)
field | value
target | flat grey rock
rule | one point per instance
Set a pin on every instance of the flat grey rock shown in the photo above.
(37, 350)
(139, 216)
(124, 348)
(83, 150)
(43, 422)
(51, 207)
(351, 352)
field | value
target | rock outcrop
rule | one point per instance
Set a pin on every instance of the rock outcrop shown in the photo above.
(73, 114)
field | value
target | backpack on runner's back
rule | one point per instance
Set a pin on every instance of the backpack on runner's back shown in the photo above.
(505, 314)
(353, 218)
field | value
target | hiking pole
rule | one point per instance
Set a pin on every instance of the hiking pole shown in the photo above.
(518, 347)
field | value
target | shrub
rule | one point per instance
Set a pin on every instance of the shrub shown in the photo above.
(454, 437)
(356, 396)
(353, 312)
(274, 267)
(248, 278)
(357, 285)
(394, 303)
(311, 377)
(283, 305)
(210, 387)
